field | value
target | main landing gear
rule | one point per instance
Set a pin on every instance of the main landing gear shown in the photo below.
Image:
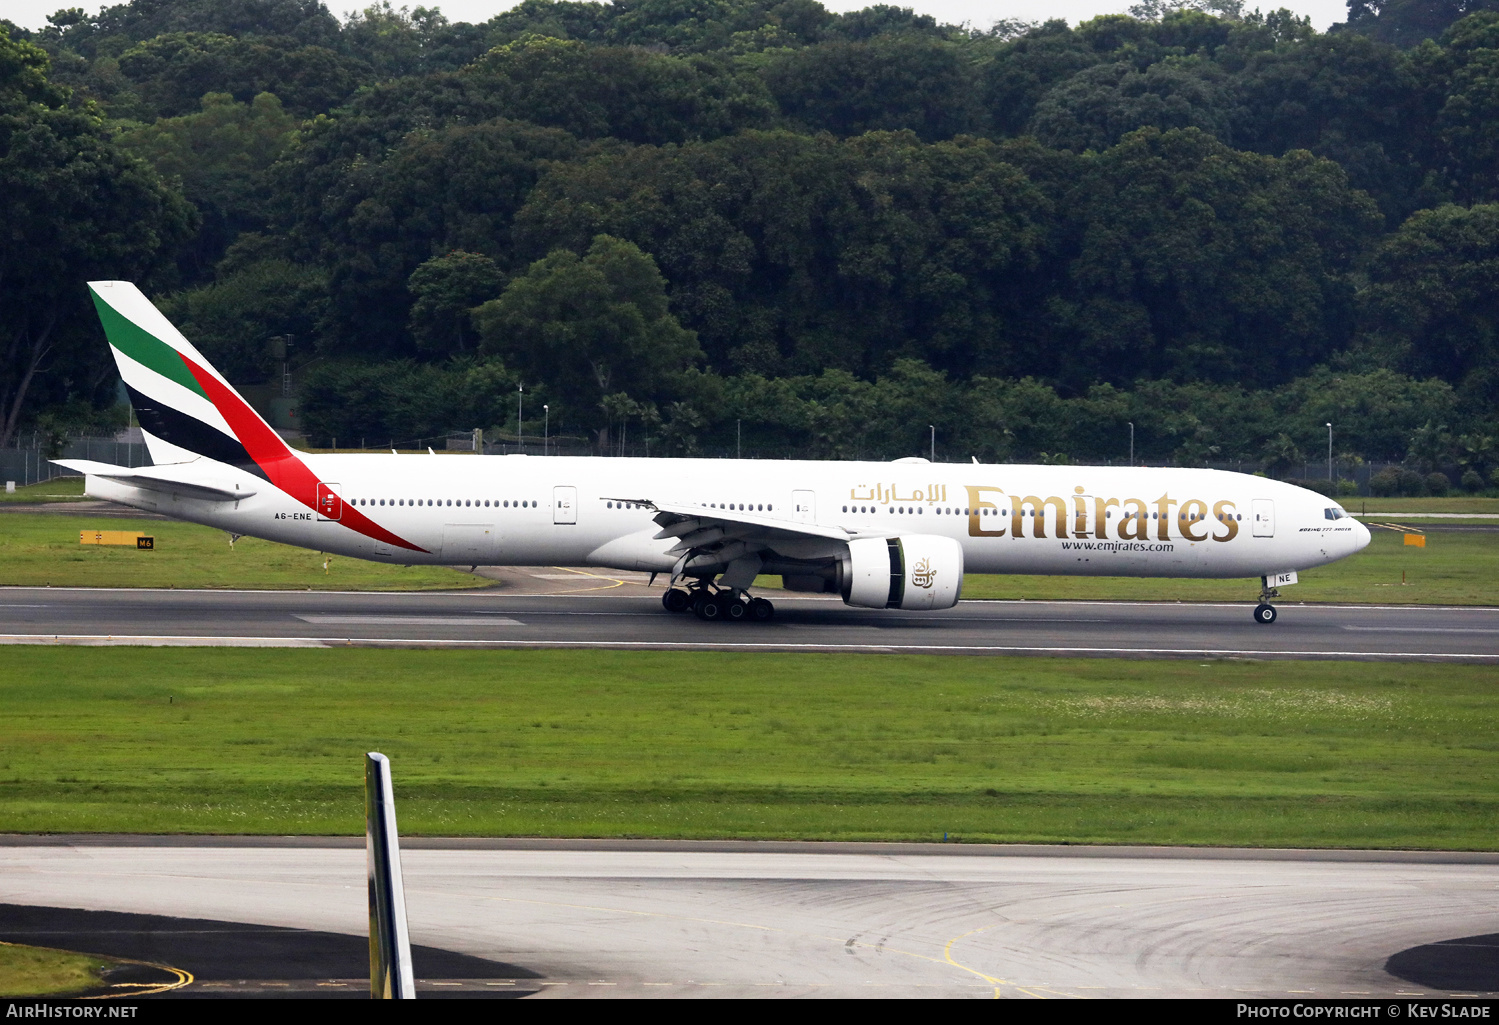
(711, 603)
(1264, 612)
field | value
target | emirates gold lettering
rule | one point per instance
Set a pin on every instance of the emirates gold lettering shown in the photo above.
(1135, 516)
(1080, 519)
(976, 503)
(1193, 513)
(1163, 516)
(1135, 526)
(1224, 512)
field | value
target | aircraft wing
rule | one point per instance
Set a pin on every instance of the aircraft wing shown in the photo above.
(697, 526)
(739, 542)
(185, 480)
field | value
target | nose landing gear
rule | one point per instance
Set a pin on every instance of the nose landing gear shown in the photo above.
(711, 603)
(1264, 612)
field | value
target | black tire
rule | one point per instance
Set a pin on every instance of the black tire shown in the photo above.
(736, 611)
(1264, 613)
(708, 608)
(676, 600)
(761, 610)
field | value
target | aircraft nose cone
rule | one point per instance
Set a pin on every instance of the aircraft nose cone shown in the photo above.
(1361, 536)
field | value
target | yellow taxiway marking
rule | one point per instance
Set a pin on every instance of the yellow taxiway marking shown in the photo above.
(614, 581)
(134, 989)
(946, 959)
(998, 983)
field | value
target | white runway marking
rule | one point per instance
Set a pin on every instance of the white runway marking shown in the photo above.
(1420, 630)
(1023, 651)
(334, 620)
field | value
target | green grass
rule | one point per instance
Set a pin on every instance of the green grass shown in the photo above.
(61, 489)
(1452, 504)
(1455, 568)
(42, 549)
(41, 971)
(568, 743)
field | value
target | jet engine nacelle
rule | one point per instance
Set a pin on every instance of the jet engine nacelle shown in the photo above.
(913, 571)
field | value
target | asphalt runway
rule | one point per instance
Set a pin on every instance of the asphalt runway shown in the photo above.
(601, 919)
(620, 613)
(172, 956)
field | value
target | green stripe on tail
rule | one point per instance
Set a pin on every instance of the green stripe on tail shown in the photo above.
(143, 347)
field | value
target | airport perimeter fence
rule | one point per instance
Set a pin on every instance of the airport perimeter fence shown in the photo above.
(26, 459)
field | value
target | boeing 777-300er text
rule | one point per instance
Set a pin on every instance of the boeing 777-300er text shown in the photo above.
(894, 535)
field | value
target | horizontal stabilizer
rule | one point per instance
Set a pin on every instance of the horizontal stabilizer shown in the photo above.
(178, 479)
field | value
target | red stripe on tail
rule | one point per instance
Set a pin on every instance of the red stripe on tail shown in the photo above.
(276, 458)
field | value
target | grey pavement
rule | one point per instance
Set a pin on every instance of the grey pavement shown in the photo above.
(615, 611)
(678, 920)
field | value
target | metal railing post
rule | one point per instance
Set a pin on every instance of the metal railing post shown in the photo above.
(390, 944)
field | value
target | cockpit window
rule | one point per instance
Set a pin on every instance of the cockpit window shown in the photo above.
(1333, 513)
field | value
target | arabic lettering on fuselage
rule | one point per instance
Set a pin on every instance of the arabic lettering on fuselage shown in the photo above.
(881, 494)
(1084, 516)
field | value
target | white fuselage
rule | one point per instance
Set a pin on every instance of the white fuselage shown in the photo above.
(531, 510)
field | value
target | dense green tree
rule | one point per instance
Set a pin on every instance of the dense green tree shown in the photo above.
(219, 155)
(1097, 107)
(447, 288)
(1375, 412)
(404, 401)
(560, 19)
(1408, 22)
(623, 92)
(1021, 72)
(173, 72)
(233, 319)
(1344, 97)
(73, 206)
(374, 224)
(790, 253)
(1432, 304)
(1462, 75)
(890, 82)
(115, 28)
(396, 42)
(1186, 258)
(699, 25)
(591, 327)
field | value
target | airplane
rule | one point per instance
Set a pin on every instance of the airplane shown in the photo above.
(883, 535)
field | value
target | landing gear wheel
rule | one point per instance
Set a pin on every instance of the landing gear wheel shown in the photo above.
(761, 610)
(1264, 613)
(676, 600)
(736, 611)
(708, 608)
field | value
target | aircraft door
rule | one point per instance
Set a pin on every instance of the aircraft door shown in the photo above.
(564, 505)
(1264, 517)
(468, 544)
(804, 506)
(330, 504)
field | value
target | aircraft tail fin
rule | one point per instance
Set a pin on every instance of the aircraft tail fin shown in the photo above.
(186, 407)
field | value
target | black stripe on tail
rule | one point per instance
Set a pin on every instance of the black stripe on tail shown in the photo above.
(177, 428)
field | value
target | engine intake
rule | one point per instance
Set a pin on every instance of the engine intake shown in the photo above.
(913, 571)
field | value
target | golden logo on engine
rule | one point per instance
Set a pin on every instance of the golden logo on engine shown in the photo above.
(922, 574)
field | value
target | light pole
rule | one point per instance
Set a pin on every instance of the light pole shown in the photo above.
(546, 428)
(738, 439)
(520, 403)
(1329, 453)
(933, 429)
(1132, 444)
